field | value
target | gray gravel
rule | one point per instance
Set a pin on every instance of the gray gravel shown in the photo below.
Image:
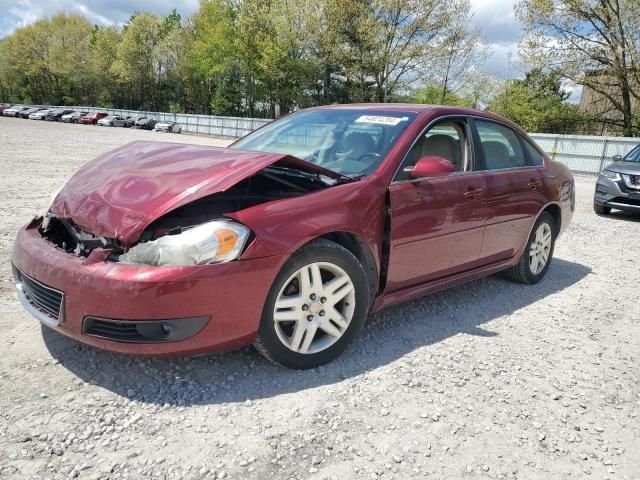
(487, 380)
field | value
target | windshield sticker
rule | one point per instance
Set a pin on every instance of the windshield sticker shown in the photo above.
(381, 120)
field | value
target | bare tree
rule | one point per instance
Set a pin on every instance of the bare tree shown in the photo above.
(595, 43)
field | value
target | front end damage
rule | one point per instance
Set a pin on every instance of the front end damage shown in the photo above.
(142, 308)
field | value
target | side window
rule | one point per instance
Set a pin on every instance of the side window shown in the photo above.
(633, 155)
(534, 157)
(447, 140)
(500, 146)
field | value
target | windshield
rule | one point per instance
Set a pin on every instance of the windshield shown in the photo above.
(352, 142)
(633, 155)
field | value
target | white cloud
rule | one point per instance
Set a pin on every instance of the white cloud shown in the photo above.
(501, 31)
(115, 12)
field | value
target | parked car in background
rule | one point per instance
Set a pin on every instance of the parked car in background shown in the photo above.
(131, 121)
(55, 115)
(618, 186)
(170, 127)
(289, 240)
(72, 117)
(3, 107)
(92, 118)
(112, 121)
(145, 123)
(13, 111)
(40, 114)
(25, 113)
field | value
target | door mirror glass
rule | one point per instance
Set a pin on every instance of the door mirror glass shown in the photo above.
(616, 158)
(432, 166)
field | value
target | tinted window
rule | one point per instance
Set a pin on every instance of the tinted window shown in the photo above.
(500, 146)
(534, 157)
(446, 140)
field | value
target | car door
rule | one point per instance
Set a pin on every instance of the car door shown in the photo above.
(436, 223)
(514, 187)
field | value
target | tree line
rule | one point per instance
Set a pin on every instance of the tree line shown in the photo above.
(265, 58)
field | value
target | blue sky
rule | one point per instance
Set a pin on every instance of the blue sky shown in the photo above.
(500, 28)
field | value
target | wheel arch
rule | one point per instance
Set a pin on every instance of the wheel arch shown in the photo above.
(361, 251)
(554, 210)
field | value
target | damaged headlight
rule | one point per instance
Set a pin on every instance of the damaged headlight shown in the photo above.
(211, 242)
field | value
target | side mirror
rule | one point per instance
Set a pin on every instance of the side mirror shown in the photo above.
(616, 158)
(431, 166)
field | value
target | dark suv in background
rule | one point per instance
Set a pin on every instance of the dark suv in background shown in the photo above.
(55, 115)
(618, 185)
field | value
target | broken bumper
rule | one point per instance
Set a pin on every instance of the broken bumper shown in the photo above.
(211, 307)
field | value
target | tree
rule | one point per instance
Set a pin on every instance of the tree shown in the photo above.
(134, 62)
(595, 43)
(537, 103)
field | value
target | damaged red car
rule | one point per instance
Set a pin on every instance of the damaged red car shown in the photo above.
(293, 235)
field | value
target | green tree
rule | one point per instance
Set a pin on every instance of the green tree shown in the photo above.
(537, 103)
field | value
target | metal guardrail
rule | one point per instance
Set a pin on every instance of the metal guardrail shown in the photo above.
(581, 153)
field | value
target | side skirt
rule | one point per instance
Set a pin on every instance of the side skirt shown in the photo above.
(416, 291)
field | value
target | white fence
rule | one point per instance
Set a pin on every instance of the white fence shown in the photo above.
(200, 124)
(581, 153)
(584, 153)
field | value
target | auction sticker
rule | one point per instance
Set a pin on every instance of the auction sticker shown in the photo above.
(381, 120)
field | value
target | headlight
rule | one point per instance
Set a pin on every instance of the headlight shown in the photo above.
(211, 242)
(611, 175)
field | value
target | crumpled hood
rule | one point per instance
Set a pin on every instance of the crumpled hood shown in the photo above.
(120, 193)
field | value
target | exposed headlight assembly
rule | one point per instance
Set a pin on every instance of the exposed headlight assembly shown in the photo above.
(611, 175)
(212, 242)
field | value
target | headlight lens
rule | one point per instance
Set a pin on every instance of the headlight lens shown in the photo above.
(211, 242)
(611, 175)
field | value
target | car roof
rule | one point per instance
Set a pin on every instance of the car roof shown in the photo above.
(434, 110)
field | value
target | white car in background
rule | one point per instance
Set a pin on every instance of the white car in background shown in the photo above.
(11, 112)
(40, 114)
(112, 121)
(171, 127)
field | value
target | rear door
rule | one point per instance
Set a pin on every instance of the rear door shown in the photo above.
(436, 223)
(514, 187)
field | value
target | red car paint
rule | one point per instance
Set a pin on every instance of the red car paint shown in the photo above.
(92, 118)
(116, 198)
(442, 231)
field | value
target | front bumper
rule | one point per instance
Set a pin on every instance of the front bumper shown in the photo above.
(231, 294)
(616, 195)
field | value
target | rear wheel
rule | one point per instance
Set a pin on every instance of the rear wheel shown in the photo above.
(316, 307)
(601, 209)
(536, 258)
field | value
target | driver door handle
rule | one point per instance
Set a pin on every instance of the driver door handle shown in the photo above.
(473, 193)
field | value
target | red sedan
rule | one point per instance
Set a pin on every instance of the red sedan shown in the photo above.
(92, 118)
(291, 237)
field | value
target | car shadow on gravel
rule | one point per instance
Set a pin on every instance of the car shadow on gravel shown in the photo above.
(244, 375)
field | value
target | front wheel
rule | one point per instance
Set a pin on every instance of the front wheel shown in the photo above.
(536, 258)
(317, 305)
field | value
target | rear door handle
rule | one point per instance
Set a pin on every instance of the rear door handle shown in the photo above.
(473, 192)
(534, 184)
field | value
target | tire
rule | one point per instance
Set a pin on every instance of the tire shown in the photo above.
(276, 340)
(524, 272)
(601, 209)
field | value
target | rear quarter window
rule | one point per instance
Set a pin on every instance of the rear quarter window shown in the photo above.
(534, 157)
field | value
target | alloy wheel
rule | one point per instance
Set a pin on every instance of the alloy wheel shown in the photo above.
(540, 248)
(314, 307)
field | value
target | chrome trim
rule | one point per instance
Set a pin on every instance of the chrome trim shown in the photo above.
(29, 307)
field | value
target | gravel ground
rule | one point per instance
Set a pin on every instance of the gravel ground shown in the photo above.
(487, 380)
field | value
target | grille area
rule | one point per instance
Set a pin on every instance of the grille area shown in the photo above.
(112, 330)
(43, 298)
(143, 331)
